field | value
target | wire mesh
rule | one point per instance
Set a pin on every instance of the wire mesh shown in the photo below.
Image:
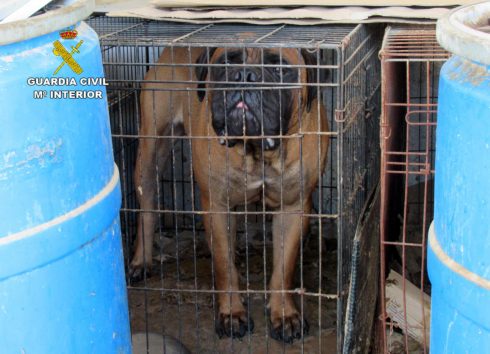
(180, 299)
(410, 60)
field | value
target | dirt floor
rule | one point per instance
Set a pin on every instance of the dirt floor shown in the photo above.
(168, 303)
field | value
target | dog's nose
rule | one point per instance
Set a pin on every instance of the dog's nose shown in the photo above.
(247, 75)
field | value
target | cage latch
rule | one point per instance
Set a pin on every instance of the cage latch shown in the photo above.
(340, 115)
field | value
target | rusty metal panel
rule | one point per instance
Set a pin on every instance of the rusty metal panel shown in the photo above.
(410, 63)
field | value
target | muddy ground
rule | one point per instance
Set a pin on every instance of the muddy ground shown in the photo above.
(177, 299)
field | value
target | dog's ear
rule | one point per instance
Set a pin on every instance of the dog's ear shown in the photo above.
(312, 76)
(202, 71)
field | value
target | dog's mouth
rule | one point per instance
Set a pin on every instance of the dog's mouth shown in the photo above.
(243, 108)
(244, 125)
(250, 117)
(242, 105)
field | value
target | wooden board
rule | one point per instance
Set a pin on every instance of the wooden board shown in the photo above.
(363, 291)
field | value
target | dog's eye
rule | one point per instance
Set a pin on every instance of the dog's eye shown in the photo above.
(277, 70)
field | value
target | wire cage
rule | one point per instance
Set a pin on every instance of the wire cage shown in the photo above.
(180, 298)
(411, 60)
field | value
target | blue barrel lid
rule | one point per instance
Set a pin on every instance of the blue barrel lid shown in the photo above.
(67, 15)
(465, 31)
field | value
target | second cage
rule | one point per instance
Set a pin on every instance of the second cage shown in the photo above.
(411, 60)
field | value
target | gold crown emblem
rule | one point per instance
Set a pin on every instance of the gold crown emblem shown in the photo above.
(70, 34)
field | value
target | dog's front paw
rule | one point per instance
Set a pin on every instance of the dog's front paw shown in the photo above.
(288, 328)
(235, 326)
(138, 272)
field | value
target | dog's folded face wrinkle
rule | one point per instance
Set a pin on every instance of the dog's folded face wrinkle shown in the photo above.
(250, 97)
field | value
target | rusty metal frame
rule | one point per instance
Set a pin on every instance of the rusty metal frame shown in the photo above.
(410, 62)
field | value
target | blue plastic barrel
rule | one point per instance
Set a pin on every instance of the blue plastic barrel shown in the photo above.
(62, 285)
(459, 239)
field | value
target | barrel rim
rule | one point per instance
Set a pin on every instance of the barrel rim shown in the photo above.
(17, 31)
(103, 193)
(456, 32)
(58, 237)
(451, 264)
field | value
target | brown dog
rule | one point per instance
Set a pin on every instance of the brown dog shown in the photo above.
(250, 141)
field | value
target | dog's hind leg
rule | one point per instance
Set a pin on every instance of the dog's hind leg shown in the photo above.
(158, 124)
